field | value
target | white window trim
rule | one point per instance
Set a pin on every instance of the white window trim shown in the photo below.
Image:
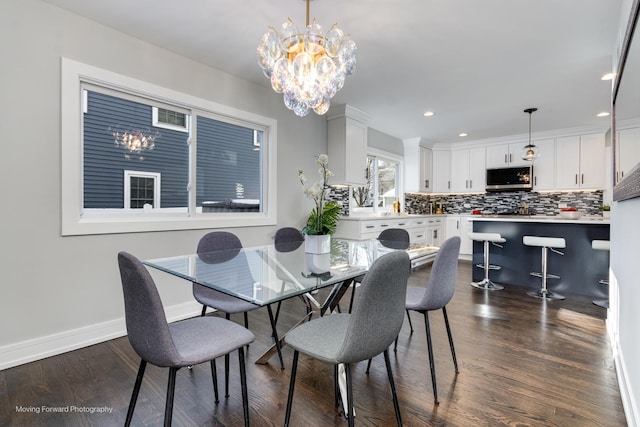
(156, 123)
(77, 221)
(386, 155)
(128, 174)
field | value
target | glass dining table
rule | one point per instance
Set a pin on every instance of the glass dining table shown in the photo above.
(267, 275)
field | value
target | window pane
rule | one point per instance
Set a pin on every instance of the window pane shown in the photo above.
(387, 182)
(228, 167)
(118, 135)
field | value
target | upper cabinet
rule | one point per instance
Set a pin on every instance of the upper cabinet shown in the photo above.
(347, 144)
(505, 155)
(580, 162)
(468, 170)
(545, 166)
(418, 171)
(627, 151)
(441, 171)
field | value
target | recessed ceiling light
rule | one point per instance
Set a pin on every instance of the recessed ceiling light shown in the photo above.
(462, 134)
(608, 76)
(603, 114)
(429, 113)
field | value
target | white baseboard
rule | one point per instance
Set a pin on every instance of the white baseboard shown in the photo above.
(39, 348)
(626, 392)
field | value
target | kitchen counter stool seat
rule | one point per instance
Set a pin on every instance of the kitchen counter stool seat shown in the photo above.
(601, 245)
(546, 243)
(494, 239)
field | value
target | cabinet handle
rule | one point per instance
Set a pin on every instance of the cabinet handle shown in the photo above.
(582, 179)
(510, 158)
(457, 224)
(369, 226)
(576, 178)
(401, 224)
(420, 236)
(426, 183)
(535, 180)
(435, 233)
(383, 225)
(505, 158)
(449, 185)
(470, 183)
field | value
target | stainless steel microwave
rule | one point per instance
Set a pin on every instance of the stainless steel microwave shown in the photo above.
(509, 179)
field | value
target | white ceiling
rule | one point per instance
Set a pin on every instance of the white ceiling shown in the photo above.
(477, 63)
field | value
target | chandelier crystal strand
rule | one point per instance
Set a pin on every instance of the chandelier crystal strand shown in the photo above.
(307, 68)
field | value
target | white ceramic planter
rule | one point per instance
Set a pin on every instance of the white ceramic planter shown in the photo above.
(317, 244)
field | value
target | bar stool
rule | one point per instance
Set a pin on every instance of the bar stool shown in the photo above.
(601, 245)
(546, 243)
(494, 238)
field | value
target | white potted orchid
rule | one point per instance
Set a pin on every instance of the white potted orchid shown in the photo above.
(323, 219)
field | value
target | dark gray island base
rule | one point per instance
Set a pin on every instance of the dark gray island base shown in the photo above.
(579, 269)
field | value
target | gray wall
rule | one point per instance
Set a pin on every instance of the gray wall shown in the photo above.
(58, 292)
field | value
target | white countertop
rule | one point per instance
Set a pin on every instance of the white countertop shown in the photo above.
(595, 220)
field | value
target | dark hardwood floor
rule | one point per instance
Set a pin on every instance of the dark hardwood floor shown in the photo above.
(523, 362)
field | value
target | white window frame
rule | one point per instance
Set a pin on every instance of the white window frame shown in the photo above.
(157, 123)
(78, 221)
(128, 174)
(385, 155)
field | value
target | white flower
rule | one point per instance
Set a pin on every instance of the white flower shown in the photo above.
(323, 159)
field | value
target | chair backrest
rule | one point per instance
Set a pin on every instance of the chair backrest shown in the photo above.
(378, 311)
(227, 245)
(395, 238)
(441, 284)
(147, 327)
(288, 239)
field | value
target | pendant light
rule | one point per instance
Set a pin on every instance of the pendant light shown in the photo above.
(530, 152)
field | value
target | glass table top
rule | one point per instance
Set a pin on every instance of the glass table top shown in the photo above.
(267, 274)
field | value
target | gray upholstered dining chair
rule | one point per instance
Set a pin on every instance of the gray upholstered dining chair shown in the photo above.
(440, 289)
(216, 247)
(347, 338)
(176, 345)
(395, 238)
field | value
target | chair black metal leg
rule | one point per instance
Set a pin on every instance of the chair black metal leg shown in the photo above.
(396, 406)
(336, 387)
(204, 311)
(214, 376)
(243, 386)
(226, 366)
(395, 345)
(368, 365)
(453, 350)
(432, 364)
(292, 383)
(274, 331)
(409, 319)
(350, 417)
(136, 390)
(278, 311)
(353, 294)
(171, 387)
(246, 320)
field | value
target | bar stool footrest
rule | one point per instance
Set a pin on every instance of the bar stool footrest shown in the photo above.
(604, 303)
(549, 276)
(491, 266)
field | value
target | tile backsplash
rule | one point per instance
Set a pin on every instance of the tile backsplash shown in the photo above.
(587, 202)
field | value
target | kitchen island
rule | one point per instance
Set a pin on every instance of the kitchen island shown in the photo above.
(579, 269)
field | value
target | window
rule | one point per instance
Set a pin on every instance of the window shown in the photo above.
(385, 172)
(140, 189)
(217, 164)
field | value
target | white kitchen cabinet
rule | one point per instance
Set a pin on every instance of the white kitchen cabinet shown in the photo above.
(435, 231)
(370, 228)
(506, 155)
(418, 176)
(627, 151)
(468, 170)
(580, 162)
(441, 171)
(347, 144)
(544, 167)
(460, 225)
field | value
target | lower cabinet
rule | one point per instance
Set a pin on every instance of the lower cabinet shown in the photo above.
(363, 229)
(435, 231)
(461, 226)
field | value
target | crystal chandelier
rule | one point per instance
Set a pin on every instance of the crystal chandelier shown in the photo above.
(134, 140)
(307, 68)
(530, 152)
